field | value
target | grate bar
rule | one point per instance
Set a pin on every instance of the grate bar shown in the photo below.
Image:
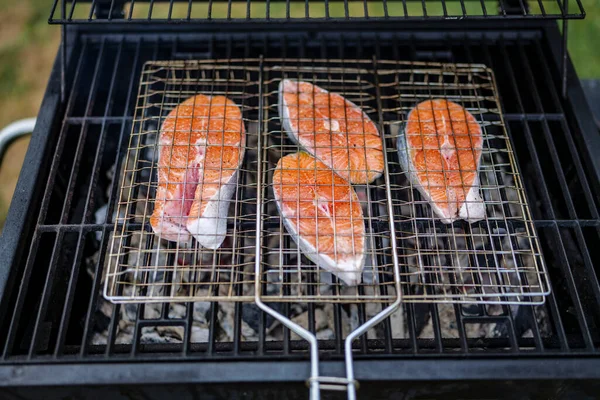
(33, 348)
(553, 153)
(435, 318)
(530, 80)
(97, 120)
(534, 117)
(589, 343)
(22, 292)
(15, 318)
(589, 265)
(63, 134)
(102, 142)
(110, 207)
(464, 346)
(559, 170)
(113, 189)
(591, 202)
(117, 309)
(535, 327)
(530, 144)
(69, 298)
(82, 138)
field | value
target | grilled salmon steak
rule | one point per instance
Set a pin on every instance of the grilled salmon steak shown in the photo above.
(440, 149)
(201, 147)
(332, 129)
(322, 213)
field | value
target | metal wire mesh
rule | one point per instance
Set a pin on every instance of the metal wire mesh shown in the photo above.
(495, 260)
(286, 272)
(142, 266)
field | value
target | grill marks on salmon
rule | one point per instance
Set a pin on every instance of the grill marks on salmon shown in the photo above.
(201, 147)
(322, 213)
(332, 129)
(440, 148)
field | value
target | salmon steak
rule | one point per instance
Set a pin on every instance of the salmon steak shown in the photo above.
(201, 147)
(332, 129)
(440, 149)
(322, 213)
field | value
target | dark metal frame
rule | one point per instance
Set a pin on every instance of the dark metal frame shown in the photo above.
(392, 370)
(574, 365)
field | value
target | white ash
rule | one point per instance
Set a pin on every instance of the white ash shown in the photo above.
(201, 312)
(326, 334)
(321, 322)
(99, 218)
(177, 311)
(397, 324)
(100, 338)
(226, 316)
(174, 333)
(199, 334)
(153, 336)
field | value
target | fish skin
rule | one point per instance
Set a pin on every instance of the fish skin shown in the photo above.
(201, 147)
(210, 228)
(350, 145)
(470, 207)
(319, 207)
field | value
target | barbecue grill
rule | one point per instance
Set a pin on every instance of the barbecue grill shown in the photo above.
(222, 328)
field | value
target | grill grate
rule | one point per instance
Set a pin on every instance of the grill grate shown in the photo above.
(247, 11)
(53, 310)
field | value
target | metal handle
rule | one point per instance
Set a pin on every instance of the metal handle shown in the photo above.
(14, 131)
(315, 381)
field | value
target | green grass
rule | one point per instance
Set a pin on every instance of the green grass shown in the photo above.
(24, 31)
(584, 41)
(27, 49)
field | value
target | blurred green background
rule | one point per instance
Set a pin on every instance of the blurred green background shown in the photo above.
(28, 46)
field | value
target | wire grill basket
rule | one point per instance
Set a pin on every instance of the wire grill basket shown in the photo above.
(142, 267)
(496, 260)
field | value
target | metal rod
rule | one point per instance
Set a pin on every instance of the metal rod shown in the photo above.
(63, 58)
(565, 54)
(111, 11)
(308, 336)
(351, 383)
(394, 306)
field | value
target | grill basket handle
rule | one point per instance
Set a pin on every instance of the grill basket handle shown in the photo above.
(14, 131)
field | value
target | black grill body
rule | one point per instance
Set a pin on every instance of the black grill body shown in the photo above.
(53, 248)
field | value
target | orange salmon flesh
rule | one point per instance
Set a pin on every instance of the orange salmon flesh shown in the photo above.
(322, 213)
(440, 148)
(201, 147)
(333, 129)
